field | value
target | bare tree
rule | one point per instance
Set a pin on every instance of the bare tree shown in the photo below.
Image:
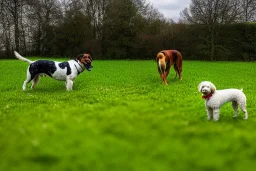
(42, 15)
(13, 8)
(211, 13)
(95, 9)
(5, 30)
(248, 10)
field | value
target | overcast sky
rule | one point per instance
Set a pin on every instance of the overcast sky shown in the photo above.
(170, 8)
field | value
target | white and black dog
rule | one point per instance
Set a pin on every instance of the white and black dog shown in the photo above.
(64, 71)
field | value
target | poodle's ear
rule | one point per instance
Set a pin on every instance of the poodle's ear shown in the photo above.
(199, 87)
(213, 88)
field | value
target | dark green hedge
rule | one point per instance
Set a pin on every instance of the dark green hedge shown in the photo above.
(233, 42)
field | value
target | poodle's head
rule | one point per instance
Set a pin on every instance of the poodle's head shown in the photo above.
(206, 87)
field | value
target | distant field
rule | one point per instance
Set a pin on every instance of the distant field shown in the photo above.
(120, 117)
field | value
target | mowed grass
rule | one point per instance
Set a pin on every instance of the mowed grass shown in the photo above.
(121, 117)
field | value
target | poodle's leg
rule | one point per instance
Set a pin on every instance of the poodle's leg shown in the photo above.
(235, 107)
(245, 113)
(242, 105)
(209, 113)
(216, 114)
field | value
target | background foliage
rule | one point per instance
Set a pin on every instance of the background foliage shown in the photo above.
(127, 29)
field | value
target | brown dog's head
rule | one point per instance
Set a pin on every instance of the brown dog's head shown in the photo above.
(86, 60)
(160, 59)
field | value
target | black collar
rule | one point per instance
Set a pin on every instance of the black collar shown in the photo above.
(78, 72)
(78, 63)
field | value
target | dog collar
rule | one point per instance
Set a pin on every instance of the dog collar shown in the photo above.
(78, 63)
(207, 97)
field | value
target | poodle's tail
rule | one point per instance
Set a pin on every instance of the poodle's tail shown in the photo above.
(18, 56)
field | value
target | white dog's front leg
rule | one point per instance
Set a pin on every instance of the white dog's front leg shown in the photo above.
(209, 113)
(216, 114)
(69, 84)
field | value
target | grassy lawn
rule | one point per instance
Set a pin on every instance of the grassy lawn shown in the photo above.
(121, 117)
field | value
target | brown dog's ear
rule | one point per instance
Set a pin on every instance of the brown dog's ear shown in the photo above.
(160, 55)
(79, 57)
(90, 56)
(157, 57)
(213, 88)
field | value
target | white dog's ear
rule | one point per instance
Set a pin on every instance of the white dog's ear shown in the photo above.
(199, 87)
(213, 88)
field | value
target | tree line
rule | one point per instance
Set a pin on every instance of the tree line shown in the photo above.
(127, 29)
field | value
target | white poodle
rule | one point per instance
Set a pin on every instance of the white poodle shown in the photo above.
(214, 99)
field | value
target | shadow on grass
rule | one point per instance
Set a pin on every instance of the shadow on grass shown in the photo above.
(51, 88)
(44, 159)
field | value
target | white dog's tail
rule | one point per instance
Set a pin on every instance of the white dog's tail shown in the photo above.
(18, 56)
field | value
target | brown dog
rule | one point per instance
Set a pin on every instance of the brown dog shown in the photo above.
(165, 59)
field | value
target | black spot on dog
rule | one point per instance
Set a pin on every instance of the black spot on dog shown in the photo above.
(64, 65)
(42, 66)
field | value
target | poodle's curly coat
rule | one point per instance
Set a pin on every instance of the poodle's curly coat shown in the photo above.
(214, 99)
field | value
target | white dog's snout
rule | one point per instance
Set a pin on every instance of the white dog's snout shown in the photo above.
(204, 90)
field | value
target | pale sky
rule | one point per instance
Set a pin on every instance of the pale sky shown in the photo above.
(170, 8)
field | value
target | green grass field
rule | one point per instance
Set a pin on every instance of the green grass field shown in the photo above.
(120, 117)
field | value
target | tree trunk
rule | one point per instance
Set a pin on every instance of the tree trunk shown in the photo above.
(212, 44)
(16, 26)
